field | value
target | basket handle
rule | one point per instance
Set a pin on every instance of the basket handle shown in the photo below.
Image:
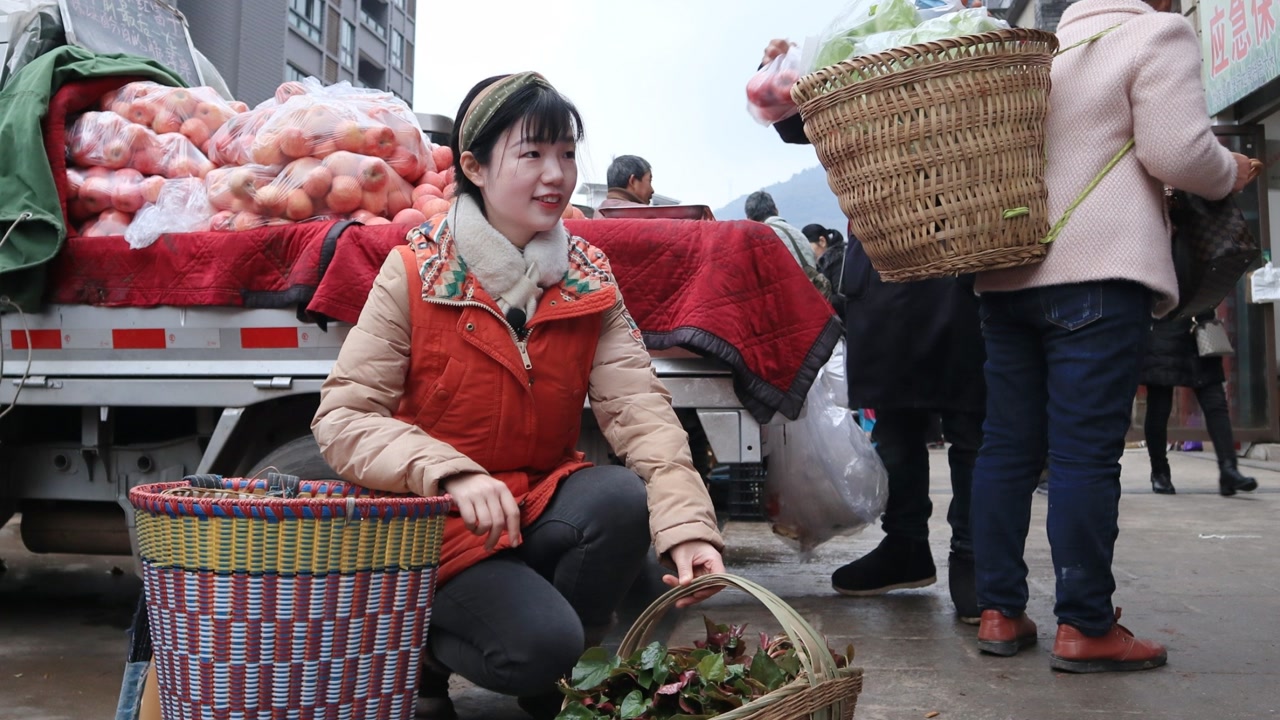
(811, 648)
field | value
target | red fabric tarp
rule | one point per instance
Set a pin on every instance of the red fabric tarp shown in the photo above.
(728, 290)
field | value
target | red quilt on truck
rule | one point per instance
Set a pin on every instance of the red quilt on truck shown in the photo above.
(727, 290)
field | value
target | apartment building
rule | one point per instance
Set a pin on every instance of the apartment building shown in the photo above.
(257, 44)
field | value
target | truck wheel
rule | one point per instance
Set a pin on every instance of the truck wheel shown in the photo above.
(301, 457)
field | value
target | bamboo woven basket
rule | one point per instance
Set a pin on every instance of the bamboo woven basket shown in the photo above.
(273, 598)
(822, 692)
(936, 151)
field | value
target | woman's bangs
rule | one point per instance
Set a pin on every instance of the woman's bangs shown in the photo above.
(551, 118)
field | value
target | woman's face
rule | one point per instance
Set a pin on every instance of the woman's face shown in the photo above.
(526, 185)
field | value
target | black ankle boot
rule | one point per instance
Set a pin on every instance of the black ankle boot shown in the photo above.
(1161, 478)
(897, 563)
(433, 693)
(964, 591)
(1230, 481)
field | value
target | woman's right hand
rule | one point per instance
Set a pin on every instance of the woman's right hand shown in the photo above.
(486, 505)
(1247, 170)
(774, 49)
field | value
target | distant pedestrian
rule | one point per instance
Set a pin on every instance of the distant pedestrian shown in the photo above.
(1173, 361)
(761, 208)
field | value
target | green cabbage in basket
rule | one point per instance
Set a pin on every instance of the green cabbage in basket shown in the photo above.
(957, 24)
(861, 19)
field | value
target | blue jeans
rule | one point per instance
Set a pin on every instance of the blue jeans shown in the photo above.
(1062, 371)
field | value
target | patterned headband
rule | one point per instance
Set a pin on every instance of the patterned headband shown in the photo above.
(488, 101)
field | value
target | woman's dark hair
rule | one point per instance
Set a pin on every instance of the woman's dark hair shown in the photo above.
(815, 232)
(548, 115)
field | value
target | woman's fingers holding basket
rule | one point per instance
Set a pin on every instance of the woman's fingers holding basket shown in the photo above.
(692, 559)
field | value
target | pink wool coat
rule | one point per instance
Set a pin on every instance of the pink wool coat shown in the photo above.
(1141, 81)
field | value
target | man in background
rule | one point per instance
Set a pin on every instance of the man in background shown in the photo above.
(630, 182)
(761, 208)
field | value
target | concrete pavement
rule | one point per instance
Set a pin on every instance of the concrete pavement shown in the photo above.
(1197, 571)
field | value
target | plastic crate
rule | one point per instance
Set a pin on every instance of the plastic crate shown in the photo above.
(738, 491)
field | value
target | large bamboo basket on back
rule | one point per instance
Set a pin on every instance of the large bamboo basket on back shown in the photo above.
(936, 151)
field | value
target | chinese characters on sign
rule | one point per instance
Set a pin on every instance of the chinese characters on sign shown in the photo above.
(1241, 48)
(149, 28)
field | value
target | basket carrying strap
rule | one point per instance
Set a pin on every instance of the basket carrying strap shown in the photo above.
(1058, 226)
(799, 255)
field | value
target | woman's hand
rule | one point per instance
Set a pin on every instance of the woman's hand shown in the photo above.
(694, 558)
(774, 49)
(1247, 170)
(487, 506)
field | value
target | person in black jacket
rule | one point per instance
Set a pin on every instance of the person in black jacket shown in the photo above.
(914, 350)
(828, 247)
(1172, 360)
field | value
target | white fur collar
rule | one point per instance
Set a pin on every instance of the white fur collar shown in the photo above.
(513, 278)
(500, 266)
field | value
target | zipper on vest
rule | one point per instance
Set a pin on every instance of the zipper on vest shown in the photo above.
(521, 345)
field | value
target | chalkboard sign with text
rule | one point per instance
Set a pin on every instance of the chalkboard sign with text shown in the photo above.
(149, 28)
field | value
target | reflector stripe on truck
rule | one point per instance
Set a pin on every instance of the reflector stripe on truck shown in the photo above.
(262, 338)
(40, 340)
(252, 338)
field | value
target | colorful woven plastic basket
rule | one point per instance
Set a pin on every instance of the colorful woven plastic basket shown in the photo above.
(280, 598)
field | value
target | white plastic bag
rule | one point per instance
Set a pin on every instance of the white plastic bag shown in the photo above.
(824, 477)
(769, 90)
(1264, 284)
(183, 206)
(929, 9)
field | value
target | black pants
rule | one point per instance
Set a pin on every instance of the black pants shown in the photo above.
(1217, 419)
(902, 439)
(515, 623)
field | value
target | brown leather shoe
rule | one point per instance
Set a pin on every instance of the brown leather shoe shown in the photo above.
(1118, 650)
(1005, 636)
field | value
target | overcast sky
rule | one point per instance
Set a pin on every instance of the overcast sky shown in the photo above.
(663, 79)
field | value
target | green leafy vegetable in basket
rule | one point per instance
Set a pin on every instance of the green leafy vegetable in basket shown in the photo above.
(861, 19)
(970, 21)
(713, 677)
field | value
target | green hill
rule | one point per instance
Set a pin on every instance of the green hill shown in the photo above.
(803, 199)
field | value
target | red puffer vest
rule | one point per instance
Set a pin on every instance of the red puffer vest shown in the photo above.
(514, 407)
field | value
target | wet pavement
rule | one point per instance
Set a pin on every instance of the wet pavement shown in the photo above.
(1199, 572)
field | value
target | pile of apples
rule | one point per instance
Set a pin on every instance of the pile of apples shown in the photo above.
(311, 152)
(116, 166)
(343, 184)
(196, 113)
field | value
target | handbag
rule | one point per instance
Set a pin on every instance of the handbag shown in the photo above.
(1212, 249)
(1211, 339)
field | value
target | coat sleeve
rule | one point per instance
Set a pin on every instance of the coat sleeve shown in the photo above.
(634, 412)
(1172, 135)
(791, 130)
(354, 426)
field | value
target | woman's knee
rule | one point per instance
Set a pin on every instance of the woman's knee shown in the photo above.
(537, 660)
(617, 500)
